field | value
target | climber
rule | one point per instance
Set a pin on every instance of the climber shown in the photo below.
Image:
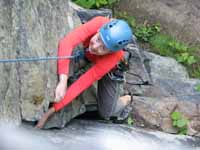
(103, 41)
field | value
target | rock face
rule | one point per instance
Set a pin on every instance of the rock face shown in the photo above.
(30, 29)
(180, 18)
(33, 29)
(9, 96)
(170, 90)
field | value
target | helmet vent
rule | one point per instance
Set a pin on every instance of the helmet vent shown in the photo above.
(123, 42)
(120, 42)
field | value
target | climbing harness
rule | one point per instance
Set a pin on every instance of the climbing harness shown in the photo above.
(118, 73)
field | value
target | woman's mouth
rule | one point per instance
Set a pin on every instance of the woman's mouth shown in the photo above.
(91, 51)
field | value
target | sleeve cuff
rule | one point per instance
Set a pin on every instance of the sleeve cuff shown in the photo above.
(58, 106)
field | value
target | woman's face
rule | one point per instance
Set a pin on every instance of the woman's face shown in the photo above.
(97, 46)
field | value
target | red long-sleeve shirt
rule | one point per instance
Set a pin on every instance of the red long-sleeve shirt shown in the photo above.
(102, 64)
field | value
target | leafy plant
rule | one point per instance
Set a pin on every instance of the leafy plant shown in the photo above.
(160, 44)
(168, 46)
(145, 32)
(177, 46)
(182, 52)
(130, 121)
(179, 122)
(197, 87)
(130, 19)
(85, 3)
(186, 58)
(195, 71)
(94, 3)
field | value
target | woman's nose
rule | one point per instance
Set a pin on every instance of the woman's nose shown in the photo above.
(96, 45)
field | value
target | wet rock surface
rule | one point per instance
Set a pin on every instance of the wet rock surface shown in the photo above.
(80, 134)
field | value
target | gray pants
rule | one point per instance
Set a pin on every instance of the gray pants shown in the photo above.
(108, 90)
(108, 94)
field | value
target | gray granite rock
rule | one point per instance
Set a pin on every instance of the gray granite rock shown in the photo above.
(80, 134)
(155, 113)
(30, 29)
(165, 67)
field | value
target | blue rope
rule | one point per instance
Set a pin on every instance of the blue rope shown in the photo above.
(79, 54)
(35, 59)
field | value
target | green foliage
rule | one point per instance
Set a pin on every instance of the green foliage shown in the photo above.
(179, 122)
(130, 121)
(168, 46)
(130, 19)
(197, 87)
(195, 72)
(186, 58)
(85, 3)
(183, 55)
(94, 3)
(145, 32)
(178, 46)
(160, 44)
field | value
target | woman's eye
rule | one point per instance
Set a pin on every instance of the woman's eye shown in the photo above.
(99, 39)
(104, 48)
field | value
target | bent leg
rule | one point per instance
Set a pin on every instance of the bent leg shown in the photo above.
(110, 101)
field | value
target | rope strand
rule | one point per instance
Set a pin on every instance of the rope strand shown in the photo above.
(36, 59)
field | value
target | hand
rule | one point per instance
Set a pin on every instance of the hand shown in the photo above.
(60, 91)
(45, 117)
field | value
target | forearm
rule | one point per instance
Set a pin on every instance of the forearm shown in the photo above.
(63, 78)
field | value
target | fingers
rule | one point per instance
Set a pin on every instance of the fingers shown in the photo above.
(45, 117)
(59, 96)
(56, 99)
(42, 121)
(40, 124)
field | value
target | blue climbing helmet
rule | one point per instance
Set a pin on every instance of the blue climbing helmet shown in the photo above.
(116, 34)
